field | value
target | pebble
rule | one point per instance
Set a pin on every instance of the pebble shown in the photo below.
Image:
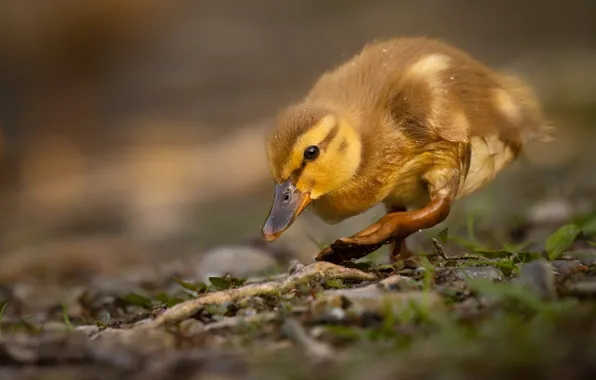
(143, 322)
(192, 327)
(584, 256)
(550, 211)
(587, 288)
(457, 278)
(337, 313)
(480, 273)
(566, 267)
(369, 299)
(295, 266)
(87, 330)
(539, 277)
(400, 282)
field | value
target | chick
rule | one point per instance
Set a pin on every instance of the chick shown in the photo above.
(413, 123)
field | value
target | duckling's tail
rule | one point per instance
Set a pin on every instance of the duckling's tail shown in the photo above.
(535, 128)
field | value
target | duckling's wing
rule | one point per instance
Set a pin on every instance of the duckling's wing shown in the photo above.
(511, 119)
(455, 99)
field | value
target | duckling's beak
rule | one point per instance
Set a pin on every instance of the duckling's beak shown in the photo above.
(288, 203)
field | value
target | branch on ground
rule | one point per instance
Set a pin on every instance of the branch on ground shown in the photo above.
(440, 251)
(326, 270)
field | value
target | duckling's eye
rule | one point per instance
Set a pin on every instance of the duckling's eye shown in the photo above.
(311, 152)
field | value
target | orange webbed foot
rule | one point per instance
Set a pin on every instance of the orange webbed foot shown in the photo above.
(394, 227)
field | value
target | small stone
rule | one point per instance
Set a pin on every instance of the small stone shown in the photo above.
(567, 267)
(337, 313)
(87, 330)
(256, 302)
(250, 312)
(192, 327)
(586, 288)
(295, 266)
(393, 302)
(143, 321)
(457, 278)
(468, 308)
(237, 261)
(480, 273)
(538, 276)
(370, 299)
(551, 211)
(399, 282)
(584, 256)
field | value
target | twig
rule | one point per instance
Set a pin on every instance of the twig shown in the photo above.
(315, 350)
(440, 251)
(188, 308)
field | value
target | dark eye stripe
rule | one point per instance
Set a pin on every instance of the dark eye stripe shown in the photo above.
(343, 146)
(330, 136)
(296, 173)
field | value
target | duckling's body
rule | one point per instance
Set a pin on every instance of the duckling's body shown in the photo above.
(405, 122)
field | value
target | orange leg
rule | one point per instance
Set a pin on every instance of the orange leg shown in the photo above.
(400, 252)
(394, 227)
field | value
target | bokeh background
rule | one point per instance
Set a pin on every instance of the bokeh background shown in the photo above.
(133, 131)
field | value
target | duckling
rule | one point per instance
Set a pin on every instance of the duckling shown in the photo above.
(413, 123)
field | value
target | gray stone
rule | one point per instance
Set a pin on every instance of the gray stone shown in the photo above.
(378, 298)
(237, 261)
(585, 256)
(480, 273)
(87, 330)
(192, 327)
(458, 278)
(566, 267)
(539, 277)
(295, 266)
(551, 211)
(586, 288)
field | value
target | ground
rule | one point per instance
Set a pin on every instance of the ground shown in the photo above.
(484, 312)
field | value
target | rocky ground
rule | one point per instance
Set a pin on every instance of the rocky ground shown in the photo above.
(480, 312)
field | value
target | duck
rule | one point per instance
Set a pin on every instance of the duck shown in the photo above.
(412, 123)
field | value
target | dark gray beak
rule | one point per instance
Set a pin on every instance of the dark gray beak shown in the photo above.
(288, 203)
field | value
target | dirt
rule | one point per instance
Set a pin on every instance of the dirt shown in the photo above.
(490, 314)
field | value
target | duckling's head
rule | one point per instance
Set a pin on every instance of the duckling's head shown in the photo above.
(312, 151)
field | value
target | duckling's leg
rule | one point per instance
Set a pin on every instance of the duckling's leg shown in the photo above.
(398, 250)
(397, 226)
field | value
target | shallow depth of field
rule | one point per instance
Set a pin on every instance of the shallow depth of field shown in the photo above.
(133, 186)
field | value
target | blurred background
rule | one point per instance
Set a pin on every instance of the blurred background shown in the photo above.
(133, 131)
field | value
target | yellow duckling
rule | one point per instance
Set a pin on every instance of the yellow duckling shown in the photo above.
(413, 123)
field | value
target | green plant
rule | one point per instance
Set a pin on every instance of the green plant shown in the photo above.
(560, 240)
(66, 318)
(2, 315)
